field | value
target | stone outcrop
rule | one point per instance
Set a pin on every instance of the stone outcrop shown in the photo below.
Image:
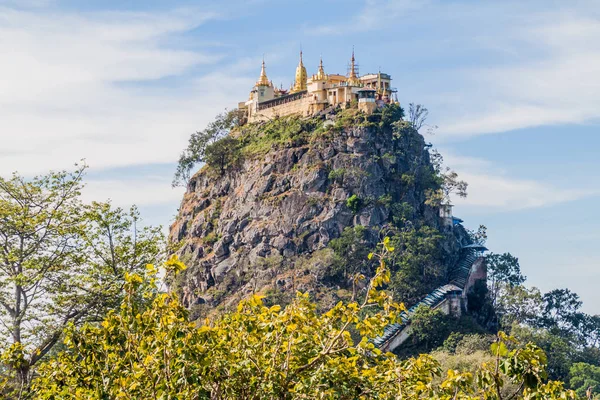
(246, 230)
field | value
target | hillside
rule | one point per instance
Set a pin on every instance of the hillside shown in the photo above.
(306, 201)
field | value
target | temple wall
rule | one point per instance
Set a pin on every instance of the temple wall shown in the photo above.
(447, 306)
(367, 107)
(300, 106)
(398, 339)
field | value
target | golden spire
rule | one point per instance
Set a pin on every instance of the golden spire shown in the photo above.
(321, 76)
(263, 80)
(301, 78)
(352, 78)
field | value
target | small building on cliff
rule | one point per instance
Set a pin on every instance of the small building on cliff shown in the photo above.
(309, 95)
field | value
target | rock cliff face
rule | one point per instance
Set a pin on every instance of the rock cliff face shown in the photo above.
(253, 228)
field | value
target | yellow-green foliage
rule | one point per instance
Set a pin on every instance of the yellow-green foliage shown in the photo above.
(260, 138)
(260, 352)
(293, 130)
(353, 203)
(61, 261)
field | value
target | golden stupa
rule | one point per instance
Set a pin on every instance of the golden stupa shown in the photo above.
(263, 80)
(353, 78)
(321, 75)
(301, 77)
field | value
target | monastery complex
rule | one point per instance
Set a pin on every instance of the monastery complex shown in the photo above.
(309, 95)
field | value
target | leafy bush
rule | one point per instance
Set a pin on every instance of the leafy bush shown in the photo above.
(337, 175)
(585, 378)
(224, 154)
(351, 251)
(211, 238)
(417, 266)
(461, 343)
(200, 141)
(390, 114)
(261, 138)
(401, 212)
(408, 179)
(385, 200)
(354, 203)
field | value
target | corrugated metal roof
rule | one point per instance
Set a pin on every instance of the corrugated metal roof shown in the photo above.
(458, 278)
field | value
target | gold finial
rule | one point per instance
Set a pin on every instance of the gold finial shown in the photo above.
(263, 80)
(321, 76)
(301, 77)
(352, 78)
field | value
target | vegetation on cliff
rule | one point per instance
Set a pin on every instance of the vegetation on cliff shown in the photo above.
(314, 194)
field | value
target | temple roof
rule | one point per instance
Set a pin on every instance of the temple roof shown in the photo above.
(475, 246)
(263, 80)
(353, 79)
(301, 77)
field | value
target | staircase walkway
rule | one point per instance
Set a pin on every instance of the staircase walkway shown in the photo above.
(457, 275)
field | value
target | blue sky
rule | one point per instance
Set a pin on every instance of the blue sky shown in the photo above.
(513, 86)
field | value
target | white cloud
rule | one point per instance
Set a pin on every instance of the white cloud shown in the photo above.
(69, 88)
(374, 15)
(125, 193)
(66, 89)
(551, 76)
(464, 162)
(26, 3)
(491, 189)
(500, 193)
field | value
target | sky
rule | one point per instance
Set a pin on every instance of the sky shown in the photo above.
(512, 86)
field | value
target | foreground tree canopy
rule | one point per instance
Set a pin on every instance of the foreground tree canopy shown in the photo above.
(62, 262)
(260, 352)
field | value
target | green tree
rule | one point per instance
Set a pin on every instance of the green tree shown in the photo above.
(415, 262)
(351, 252)
(61, 262)
(519, 305)
(561, 352)
(223, 154)
(585, 378)
(391, 114)
(200, 141)
(479, 236)
(590, 330)
(561, 313)
(503, 270)
(448, 183)
(429, 327)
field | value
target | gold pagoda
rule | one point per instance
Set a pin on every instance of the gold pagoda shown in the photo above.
(309, 95)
